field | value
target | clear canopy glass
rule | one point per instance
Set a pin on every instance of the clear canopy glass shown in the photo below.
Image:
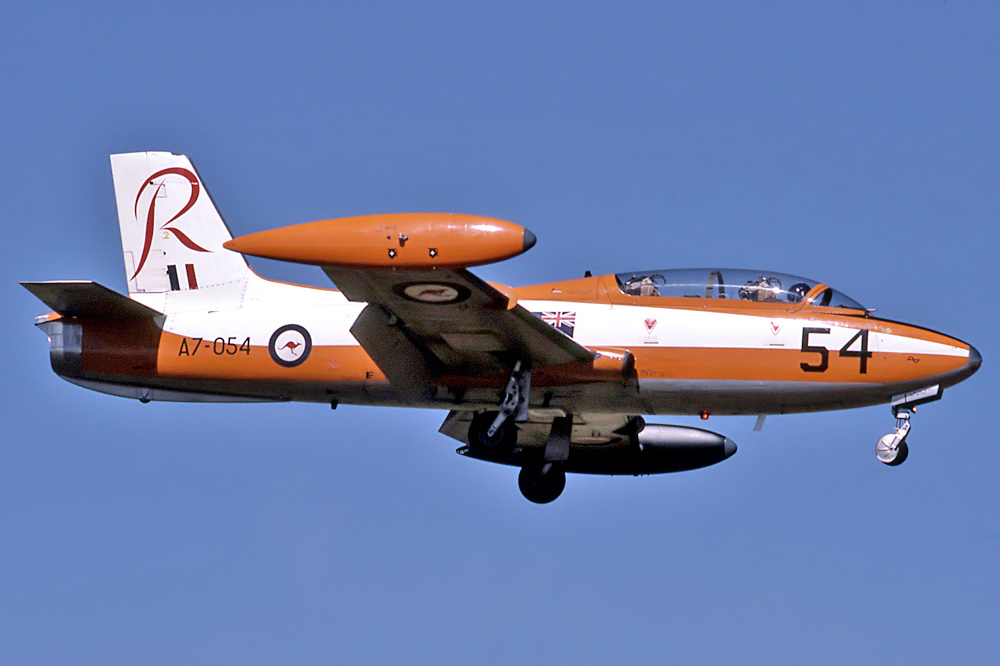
(730, 283)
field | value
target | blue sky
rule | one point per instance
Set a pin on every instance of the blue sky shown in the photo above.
(853, 143)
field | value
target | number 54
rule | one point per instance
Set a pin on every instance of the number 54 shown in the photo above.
(862, 353)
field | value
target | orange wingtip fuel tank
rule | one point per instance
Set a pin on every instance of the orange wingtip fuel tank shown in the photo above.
(406, 240)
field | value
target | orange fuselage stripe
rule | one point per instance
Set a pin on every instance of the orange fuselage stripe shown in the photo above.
(181, 357)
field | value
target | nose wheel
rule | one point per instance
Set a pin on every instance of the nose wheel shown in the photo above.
(891, 449)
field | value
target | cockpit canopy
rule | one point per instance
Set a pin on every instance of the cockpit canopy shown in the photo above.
(730, 283)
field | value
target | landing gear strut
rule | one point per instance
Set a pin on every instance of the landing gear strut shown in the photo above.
(891, 449)
(515, 401)
(495, 430)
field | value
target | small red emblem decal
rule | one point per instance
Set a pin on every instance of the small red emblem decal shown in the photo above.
(291, 346)
(443, 291)
(650, 325)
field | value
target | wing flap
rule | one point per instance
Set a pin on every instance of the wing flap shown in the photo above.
(404, 362)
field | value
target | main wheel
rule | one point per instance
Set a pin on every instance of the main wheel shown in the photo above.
(541, 484)
(891, 456)
(502, 441)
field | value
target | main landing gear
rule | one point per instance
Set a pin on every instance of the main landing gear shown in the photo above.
(501, 441)
(495, 433)
(495, 430)
(543, 483)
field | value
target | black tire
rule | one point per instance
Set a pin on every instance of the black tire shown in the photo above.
(503, 439)
(901, 454)
(541, 484)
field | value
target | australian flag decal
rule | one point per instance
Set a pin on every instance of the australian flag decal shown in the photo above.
(564, 321)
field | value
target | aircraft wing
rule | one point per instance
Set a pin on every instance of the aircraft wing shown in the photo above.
(428, 317)
(422, 324)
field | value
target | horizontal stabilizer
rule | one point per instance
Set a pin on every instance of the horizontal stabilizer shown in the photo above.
(88, 299)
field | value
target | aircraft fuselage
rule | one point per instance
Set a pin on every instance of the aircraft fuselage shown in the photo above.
(689, 357)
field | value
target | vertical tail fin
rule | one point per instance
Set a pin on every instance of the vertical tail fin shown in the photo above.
(172, 234)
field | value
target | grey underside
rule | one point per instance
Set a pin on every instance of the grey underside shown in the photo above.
(666, 397)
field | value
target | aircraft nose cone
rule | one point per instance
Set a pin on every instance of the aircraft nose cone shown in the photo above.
(529, 240)
(975, 359)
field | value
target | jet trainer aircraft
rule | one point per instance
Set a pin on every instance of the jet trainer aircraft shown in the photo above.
(551, 378)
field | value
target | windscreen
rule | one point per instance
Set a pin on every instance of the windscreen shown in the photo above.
(729, 283)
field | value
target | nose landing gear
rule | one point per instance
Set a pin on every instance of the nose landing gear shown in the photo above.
(891, 449)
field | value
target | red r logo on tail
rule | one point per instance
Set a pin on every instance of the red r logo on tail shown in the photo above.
(151, 213)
